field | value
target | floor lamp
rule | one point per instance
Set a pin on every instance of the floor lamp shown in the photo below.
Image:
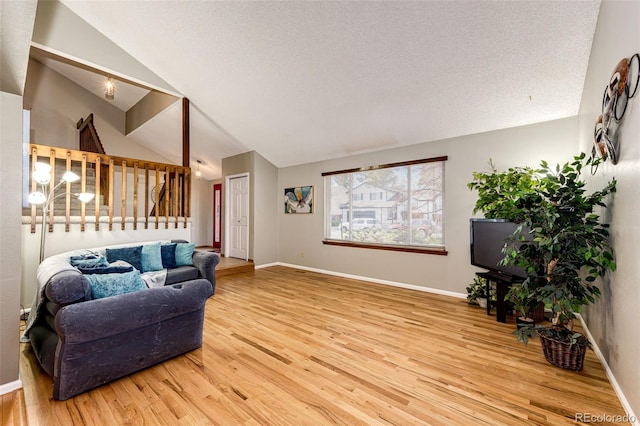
(42, 176)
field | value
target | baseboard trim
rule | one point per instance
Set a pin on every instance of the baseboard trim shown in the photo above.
(267, 265)
(632, 418)
(10, 387)
(373, 280)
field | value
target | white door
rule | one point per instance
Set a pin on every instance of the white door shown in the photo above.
(239, 217)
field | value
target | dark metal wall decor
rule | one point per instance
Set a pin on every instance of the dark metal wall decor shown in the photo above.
(622, 86)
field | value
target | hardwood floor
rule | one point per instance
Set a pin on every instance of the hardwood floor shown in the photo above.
(291, 347)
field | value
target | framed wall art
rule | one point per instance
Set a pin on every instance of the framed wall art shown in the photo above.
(298, 199)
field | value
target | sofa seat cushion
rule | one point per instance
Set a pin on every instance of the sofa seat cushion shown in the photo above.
(180, 274)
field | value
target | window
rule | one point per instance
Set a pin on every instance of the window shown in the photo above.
(394, 206)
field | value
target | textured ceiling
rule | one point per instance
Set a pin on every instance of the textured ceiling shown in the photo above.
(306, 81)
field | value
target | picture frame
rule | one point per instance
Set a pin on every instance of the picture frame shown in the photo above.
(298, 200)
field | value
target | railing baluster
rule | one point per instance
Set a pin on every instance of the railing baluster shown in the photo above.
(52, 184)
(67, 209)
(176, 196)
(146, 196)
(167, 195)
(98, 166)
(123, 198)
(83, 188)
(157, 202)
(187, 198)
(111, 194)
(135, 196)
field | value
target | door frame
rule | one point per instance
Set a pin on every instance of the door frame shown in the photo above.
(227, 198)
(217, 215)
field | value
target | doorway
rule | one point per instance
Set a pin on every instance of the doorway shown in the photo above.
(237, 216)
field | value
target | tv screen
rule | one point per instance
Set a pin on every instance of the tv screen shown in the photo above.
(488, 237)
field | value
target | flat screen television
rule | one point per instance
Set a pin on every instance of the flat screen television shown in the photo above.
(488, 237)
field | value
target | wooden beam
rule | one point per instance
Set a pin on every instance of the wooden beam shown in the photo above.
(185, 133)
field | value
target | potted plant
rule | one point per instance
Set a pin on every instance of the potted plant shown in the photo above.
(560, 243)
(477, 292)
(530, 310)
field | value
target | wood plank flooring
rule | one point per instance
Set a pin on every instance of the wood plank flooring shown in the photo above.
(291, 347)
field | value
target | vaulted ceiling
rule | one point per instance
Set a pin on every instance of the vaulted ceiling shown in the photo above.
(302, 81)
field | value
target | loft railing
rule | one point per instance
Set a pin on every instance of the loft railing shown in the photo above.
(140, 183)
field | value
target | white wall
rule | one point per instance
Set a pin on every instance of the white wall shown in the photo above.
(10, 249)
(60, 30)
(613, 319)
(300, 236)
(56, 105)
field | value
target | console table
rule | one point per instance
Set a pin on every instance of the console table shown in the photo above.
(503, 283)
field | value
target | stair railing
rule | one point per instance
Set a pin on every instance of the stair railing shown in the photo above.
(130, 172)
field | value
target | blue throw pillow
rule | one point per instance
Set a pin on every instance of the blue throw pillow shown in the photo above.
(132, 255)
(117, 267)
(184, 254)
(88, 261)
(105, 285)
(168, 253)
(151, 257)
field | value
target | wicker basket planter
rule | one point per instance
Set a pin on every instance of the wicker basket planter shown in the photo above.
(563, 354)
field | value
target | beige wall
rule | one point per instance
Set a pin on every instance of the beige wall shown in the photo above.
(148, 107)
(10, 249)
(201, 211)
(613, 320)
(300, 236)
(263, 203)
(268, 201)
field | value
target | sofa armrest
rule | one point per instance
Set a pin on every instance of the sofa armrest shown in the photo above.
(68, 287)
(205, 262)
(100, 318)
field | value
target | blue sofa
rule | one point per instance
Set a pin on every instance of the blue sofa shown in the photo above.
(84, 342)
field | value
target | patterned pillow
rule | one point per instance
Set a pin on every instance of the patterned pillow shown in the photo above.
(88, 261)
(117, 267)
(105, 285)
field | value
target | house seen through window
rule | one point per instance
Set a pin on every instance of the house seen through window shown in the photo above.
(399, 204)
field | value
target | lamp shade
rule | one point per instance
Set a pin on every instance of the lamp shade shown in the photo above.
(70, 177)
(36, 198)
(85, 197)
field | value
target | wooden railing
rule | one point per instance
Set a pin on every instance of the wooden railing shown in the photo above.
(132, 172)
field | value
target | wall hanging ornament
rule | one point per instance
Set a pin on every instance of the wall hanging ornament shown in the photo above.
(622, 86)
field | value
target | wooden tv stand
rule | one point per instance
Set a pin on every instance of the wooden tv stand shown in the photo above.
(503, 283)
